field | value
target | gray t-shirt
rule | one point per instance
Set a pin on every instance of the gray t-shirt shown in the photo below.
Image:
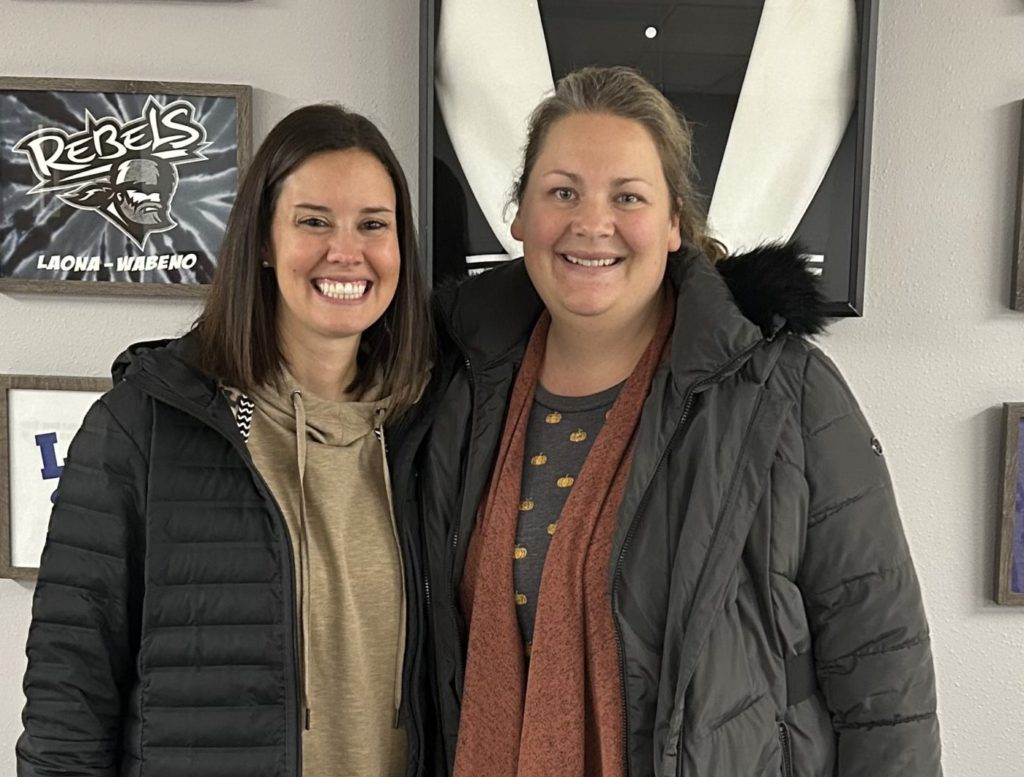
(559, 436)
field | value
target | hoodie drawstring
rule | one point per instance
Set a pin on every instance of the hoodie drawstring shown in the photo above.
(303, 576)
(378, 430)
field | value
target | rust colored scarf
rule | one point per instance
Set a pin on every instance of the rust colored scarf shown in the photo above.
(564, 718)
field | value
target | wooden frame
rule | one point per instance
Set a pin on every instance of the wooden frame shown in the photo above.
(117, 187)
(1010, 539)
(22, 535)
(1017, 294)
(836, 222)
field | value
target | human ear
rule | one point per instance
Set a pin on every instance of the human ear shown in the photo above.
(517, 227)
(675, 239)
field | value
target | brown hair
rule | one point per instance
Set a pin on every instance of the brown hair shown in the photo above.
(623, 92)
(237, 329)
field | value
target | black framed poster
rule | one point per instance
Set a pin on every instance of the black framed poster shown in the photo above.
(119, 187)
(778, 94)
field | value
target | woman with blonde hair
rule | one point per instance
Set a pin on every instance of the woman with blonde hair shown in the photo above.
(661, 537)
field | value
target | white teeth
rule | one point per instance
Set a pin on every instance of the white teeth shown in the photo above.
(590, 262)
(336, 290)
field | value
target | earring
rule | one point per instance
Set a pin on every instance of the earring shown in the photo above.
(266, 263)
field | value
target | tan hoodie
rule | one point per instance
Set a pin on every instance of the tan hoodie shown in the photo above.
(332, 485)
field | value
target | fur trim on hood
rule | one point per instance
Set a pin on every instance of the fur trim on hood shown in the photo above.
(775, 289)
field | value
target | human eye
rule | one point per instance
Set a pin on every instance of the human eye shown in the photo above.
(374, 225)
(563, 193)
(316, 222)
(629, 198)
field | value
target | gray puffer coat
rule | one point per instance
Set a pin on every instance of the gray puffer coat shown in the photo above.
(768, 615)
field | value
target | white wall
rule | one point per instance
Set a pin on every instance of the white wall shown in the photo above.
(939, 350)
(935, 355)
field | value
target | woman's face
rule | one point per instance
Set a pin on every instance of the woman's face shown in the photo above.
(334, 247)
(596, 222)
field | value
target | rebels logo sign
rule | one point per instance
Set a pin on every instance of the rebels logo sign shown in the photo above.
(124, 171)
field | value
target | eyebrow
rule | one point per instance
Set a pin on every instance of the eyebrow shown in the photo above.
(370, 209)
(571, 176)
(615, 182)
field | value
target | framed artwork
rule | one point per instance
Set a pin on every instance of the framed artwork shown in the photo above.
(38, 418)
(1010, 537)
(117, 187)
(779, 101)
(1017, 296)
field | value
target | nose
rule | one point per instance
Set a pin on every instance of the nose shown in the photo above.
(345, 248)
(593, 218)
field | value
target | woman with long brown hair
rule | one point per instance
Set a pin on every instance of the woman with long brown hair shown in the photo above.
(224, 588)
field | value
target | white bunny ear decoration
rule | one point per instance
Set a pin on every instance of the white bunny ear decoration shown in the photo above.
(798, 95)
(492, 70)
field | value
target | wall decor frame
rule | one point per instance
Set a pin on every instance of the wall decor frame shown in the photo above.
(1017, 294)
(117, 187)
(694, 52)
(1010, 536)
(39, 415)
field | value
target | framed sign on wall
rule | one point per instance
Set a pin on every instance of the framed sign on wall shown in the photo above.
(1017, 294)
(779, 99)
(39, 415)
(1010, 536)
(117, 187)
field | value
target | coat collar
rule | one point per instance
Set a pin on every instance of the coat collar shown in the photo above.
(722, 310)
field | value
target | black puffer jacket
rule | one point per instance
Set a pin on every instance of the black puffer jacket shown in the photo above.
(162, 639)
(768, 615)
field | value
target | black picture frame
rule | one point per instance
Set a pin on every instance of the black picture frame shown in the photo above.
(846, 236)
(117, 187)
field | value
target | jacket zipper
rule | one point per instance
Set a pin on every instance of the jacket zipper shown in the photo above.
(288, 578)
(452, 599)
(787, 750)
(426, 575)
(413, 637)
(617, 575)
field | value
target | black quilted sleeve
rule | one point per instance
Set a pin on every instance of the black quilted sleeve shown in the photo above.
(83, 638)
